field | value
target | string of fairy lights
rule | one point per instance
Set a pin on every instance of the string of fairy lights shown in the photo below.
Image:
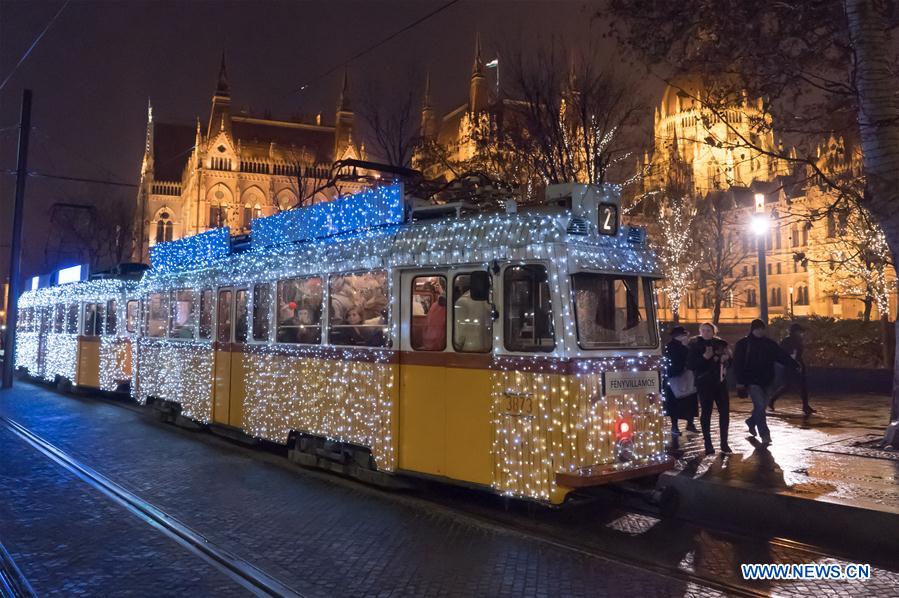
(351, 394)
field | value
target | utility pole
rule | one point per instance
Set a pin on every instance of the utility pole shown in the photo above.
(15, 250)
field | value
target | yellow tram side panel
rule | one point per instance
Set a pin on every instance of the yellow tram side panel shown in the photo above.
(221, 387)
(238, 392)
(423, 419)
(469, 426)
(87, 374)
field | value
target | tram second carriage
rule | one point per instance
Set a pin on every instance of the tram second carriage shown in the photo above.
(517, 351)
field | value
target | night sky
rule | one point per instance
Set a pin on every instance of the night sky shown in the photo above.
(95, 68)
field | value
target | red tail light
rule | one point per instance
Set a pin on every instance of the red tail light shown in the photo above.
(624, 429)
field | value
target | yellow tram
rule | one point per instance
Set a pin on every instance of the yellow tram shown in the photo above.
(517, 351)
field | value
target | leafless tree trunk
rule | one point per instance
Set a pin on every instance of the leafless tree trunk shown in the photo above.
(878, 117)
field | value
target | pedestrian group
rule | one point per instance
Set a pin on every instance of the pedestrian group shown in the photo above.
(696, 379)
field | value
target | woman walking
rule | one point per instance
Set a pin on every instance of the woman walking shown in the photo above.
(709, 356)
(680, 393)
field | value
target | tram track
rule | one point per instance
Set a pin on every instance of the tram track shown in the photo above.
(485, 518)
(13, 582)
(241, 571)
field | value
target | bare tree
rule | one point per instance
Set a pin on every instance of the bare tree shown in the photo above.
(678, 255)
(95, 232)
(567, 115)
(722, 254)
(822, 65)
(392, 123)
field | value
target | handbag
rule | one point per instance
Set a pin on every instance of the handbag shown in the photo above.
(682, 385)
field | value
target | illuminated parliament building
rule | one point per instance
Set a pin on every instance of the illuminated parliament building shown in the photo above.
(236, 167)
(688, 156)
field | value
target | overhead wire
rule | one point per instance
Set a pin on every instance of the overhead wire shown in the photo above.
(33, 44)
(374, 46)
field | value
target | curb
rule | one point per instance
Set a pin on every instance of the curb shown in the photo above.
(822, 520)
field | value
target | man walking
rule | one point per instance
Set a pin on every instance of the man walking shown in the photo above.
(793, 345)
(754, 360)
(709, 358)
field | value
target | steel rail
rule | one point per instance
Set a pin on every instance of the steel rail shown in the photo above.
(243, 572)
(12, 581)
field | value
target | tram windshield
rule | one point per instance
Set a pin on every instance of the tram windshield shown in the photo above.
(614, 310)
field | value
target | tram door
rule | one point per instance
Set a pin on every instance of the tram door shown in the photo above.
(231, 335)
(423, 372)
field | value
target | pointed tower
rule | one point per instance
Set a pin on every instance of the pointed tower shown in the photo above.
(343, 126)
(220, 115)
(147, 165)
(477, 89)
(428, 116)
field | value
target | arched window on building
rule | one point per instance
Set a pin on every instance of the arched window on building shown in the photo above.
(794, 235)
(691, 303)
(218, 215)
(729, 299)
(164, 227)
(247, 215)
(802, 295)
(706, 300)
(751, 298)
(776, 296)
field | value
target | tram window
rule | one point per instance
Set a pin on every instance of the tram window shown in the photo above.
(472, 319)
(132, 313)
(59, 318)
(224, 317)
(157, 314)
(262, 311)
(111, 316)
(613, 310)
(72, 319)
(428, 325)
(206, 313)
(528, 310)
(92, 320)
(300, 311)
(358, 309)
(241, 316)
(183, 320)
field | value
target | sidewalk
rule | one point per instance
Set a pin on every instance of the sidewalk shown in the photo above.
(822, 478)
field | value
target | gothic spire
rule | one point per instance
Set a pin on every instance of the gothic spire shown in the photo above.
(426, 103)
(223, 89)
(343, 102)
(477, 68)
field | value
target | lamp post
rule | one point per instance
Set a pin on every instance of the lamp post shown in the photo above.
(760, 224)
(791, 302)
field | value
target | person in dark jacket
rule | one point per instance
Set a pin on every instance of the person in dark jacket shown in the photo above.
(793, 345)
(709, 357)
(684, 407)
(754, 360)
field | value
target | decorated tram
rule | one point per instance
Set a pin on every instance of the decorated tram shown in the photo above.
(514, 350)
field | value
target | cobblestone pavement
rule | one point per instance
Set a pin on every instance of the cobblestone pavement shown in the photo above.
(69, 540)
(326, 536)
(803, 458)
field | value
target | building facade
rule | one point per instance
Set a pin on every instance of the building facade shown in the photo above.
(236, 167)
(810, 242)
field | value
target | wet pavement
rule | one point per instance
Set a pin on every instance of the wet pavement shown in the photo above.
(326, 536)
(813, 457)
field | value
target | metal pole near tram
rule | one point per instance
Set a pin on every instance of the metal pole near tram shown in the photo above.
(15, 250)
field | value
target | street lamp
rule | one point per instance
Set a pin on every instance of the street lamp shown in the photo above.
(791, 302)
(760, 224)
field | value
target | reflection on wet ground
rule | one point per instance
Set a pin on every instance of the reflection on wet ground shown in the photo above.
(795, 461)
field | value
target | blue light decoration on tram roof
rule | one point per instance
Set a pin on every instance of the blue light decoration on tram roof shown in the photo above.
(193, 252)
(371, 208)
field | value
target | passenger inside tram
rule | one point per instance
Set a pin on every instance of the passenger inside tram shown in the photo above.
(473, 325)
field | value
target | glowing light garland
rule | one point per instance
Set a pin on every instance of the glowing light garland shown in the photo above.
(351, 394)
(58, 356)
